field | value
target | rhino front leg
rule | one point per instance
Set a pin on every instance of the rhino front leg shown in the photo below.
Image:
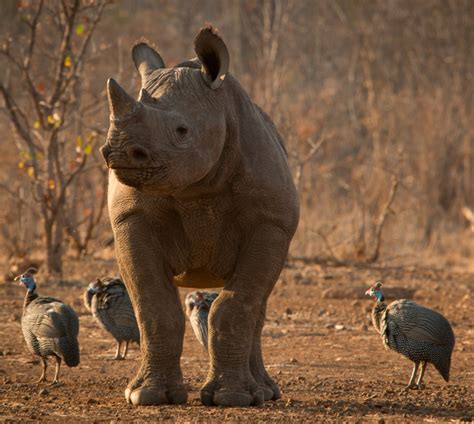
(270, 389)
(236, 317)
(160, 319)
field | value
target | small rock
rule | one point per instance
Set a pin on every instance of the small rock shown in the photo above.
(293, 361)
(43, 392)
(339, 327)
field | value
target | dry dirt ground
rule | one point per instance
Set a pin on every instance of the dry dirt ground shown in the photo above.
(318, 343)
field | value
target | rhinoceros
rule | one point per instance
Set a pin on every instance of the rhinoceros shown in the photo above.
(200, 195)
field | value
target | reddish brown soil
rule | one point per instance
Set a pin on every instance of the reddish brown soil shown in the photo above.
(318, 344)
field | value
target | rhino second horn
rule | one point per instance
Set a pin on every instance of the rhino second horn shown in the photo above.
(121, 104)
(145, 96)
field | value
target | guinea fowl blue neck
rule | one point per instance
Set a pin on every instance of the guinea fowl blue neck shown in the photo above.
(379, 307)
(379, 296)
(27, 280)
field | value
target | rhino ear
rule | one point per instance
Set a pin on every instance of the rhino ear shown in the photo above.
(212, 52)
(146, 59)
(121, 104)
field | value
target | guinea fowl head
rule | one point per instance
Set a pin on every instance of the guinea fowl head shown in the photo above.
(199, 301)
(376, 292)
(27, 280)
(196, 301)
(94, 286)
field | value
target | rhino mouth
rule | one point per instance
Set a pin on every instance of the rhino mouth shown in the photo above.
(137, 177)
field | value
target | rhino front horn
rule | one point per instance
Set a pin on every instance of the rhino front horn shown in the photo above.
(121, 104)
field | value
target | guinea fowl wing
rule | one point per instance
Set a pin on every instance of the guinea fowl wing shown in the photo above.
(123, 313)
(413, 321)
(113, 310)
(49, 324)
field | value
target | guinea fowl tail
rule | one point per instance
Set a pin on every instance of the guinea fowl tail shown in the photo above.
(442, 360)
(443, 368)
(70, 351)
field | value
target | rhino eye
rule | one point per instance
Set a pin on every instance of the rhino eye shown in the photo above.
(182, 130)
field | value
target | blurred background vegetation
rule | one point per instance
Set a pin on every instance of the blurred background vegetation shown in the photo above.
(373, 97)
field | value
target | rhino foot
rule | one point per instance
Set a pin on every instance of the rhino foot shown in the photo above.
(270, 389)
(225, 397)
(144, 393)
(270, 392)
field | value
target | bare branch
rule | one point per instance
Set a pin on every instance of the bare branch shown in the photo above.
(78, 62)
(381, 219)
(69, 180)
(33, 26)
(64, 51)
(300, 163)
(16, 115)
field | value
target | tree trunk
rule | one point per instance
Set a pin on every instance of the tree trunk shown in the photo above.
(54, 243)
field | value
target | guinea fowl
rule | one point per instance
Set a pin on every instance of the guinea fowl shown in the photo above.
(418, 333)
(110, 305)
(197, 309)
(50, 327)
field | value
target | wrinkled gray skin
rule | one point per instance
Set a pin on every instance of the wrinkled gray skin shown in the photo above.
(200, 195)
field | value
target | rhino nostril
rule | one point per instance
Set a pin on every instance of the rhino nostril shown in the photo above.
(138, 153)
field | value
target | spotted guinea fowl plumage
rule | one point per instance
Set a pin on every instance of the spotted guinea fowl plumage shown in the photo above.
(420, 334)
(198, 304)
(50, 327)
(110, 304)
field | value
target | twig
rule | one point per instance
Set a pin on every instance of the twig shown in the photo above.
(326, 243)
(301, 162)
(381, 220)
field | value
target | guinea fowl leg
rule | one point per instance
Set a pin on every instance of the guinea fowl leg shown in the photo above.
(413, 375)
(422, 373)
(43, 375)
(126, 349)
(56, 373)
(117, 352)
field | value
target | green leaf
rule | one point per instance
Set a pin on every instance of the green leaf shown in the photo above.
(88, 149)
(79, 29)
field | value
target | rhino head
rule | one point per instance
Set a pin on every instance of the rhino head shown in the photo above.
(174, 134)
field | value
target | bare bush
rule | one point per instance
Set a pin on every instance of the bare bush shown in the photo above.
(42, 99)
